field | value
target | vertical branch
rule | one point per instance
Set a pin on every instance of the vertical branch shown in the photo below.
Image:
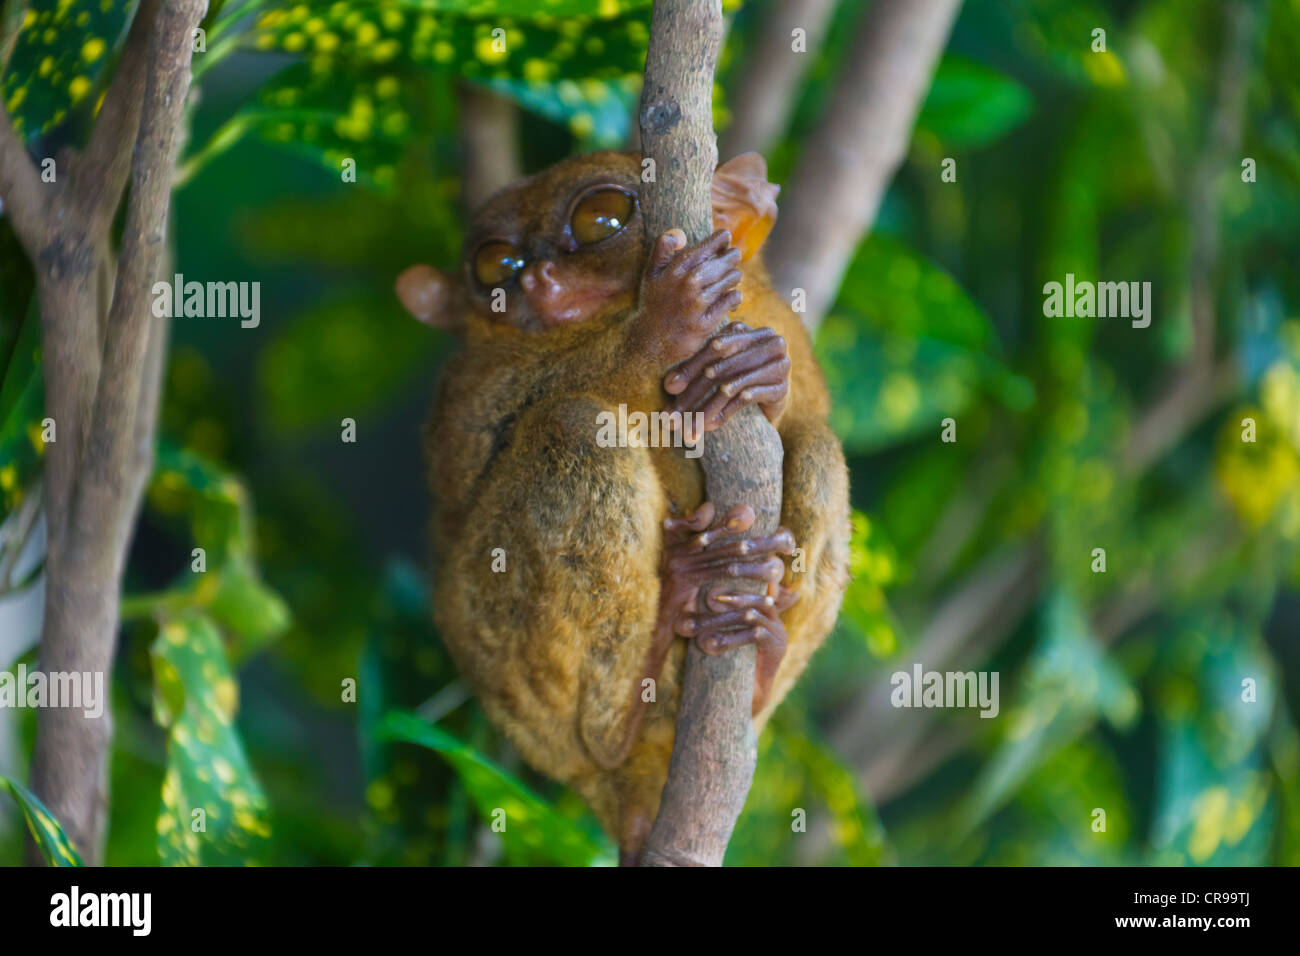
(1203, 207)
(764, 92)
(859, 143)
(84, 569)
(714, 750)
(489, 143)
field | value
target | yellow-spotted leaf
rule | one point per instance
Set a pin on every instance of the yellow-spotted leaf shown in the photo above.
(53, 843)
(58, 58)
(213, 809)
(389, 31)
(216, 502)
(22, 398)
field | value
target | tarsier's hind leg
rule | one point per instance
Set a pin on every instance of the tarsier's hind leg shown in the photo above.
(554, 639)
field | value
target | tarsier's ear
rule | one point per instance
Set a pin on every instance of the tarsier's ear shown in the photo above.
(744, 202)
(430, 296)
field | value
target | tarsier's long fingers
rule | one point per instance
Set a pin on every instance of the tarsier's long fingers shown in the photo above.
(698, 521)
(723, 305)
(729, 540)
(776, 599)
(702, 548)
(719, 633)
(712, 270)
(729, 607)
(665, 249)
(715, 247)
(706, 566)
(739, 366)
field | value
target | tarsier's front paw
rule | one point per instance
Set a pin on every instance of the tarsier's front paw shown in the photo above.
(740, 366)
(686, 292)
(699, 550)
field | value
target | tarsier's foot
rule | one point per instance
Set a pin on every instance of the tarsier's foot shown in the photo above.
(739, 366)
(739, 618)
(699, 550)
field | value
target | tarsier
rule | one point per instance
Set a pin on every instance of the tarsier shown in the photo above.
(566, 570)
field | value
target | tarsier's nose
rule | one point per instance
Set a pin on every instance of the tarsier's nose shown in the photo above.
(541, 283)
(560, 292)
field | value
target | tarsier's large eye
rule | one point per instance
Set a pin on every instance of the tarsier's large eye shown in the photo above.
(601, 214)
(495, 262)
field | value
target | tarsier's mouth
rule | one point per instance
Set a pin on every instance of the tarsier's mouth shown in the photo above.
(576, 308)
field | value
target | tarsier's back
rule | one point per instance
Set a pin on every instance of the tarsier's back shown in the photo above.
(569, 555)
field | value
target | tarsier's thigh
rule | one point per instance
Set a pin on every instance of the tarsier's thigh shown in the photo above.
(815, 507)
(553, 640)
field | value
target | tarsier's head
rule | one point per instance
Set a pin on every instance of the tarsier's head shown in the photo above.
(567, 245)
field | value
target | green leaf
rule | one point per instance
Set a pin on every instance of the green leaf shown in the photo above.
(971, 105)
(534, 831)
(597, 112)
(363, 114)
(22, 403)
(229, 590)
(50, 839)
(247, 609)
(896, 289)
(386, 32)
(905, 347)
(58, 58)
(195, 699)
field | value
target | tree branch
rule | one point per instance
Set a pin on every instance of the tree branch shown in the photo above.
(489, 143)
(84, 570)
(715, 748)
(853, 153)
(763, 94)
(99, 176)
(20, 188)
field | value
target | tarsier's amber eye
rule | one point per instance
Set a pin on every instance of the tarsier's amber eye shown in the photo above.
(495, 262)
(601, 214)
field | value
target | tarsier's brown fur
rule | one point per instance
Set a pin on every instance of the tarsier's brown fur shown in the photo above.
(557, 644)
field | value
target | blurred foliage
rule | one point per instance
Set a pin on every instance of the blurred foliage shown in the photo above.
(1147, 712)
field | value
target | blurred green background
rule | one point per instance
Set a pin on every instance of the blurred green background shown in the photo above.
(1120, 690)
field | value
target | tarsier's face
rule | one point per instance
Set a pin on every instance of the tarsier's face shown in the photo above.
(568, 245)
(562, 261)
